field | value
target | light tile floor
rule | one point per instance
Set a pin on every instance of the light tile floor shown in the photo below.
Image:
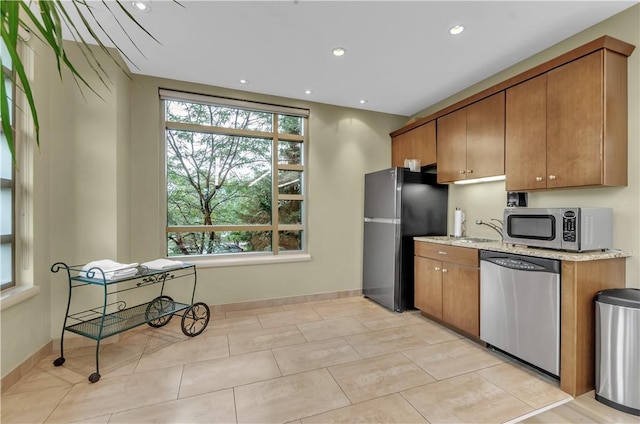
(344, 361)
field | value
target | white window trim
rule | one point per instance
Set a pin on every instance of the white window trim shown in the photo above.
(249, 259)
(17, 294)
(24, 287)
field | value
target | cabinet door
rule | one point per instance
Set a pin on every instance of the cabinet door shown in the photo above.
(400, 149)
(452, 146)
(461, 297)
(575, 123)
(424, 143)
(526, 135)
(485, 137)
(418, 143)
(428, 286)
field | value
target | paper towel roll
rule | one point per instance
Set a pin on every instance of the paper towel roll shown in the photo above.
(458, 219)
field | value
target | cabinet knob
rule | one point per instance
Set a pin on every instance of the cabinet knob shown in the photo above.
(436, 268)
(538, 178)
(445, 270)
(462, 171)
(552, 177)
(441, 252)
(469, 171)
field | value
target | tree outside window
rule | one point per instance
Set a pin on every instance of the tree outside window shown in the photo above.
(235, 178)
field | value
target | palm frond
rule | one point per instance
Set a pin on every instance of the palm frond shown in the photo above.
(9, 31)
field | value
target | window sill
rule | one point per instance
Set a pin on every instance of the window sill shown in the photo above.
(241, 260)
(18, 294)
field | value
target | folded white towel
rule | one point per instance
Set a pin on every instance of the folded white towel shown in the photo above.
(119, 275)
(163, 264)
(110, 269)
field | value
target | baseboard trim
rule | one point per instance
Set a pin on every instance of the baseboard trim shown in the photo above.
(279, 301)
(21, 370)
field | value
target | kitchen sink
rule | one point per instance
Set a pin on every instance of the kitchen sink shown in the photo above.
(471, 240)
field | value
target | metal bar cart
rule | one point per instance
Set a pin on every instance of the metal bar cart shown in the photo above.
(114, 316)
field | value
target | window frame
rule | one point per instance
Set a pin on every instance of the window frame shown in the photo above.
(4, 183)
(275, 227)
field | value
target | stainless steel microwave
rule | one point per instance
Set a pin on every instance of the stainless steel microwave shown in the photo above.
(571, 229)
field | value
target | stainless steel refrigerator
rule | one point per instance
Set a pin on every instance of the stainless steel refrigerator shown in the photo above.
(398, 205)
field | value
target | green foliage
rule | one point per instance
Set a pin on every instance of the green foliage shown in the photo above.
(222, 179)
(290, 125)
(216, 179)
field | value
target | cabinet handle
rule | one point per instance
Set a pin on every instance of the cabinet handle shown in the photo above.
(441, 252)
(469, 171)
(538, 178)
(552, 177)
(445, 270)
(462, 171)
(436, 268)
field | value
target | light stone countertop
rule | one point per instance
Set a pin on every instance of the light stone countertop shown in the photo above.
(498, 246)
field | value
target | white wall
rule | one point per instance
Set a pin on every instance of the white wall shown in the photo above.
(89, 181)
(343, 145)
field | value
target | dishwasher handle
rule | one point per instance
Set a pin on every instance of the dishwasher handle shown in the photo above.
(521, 262)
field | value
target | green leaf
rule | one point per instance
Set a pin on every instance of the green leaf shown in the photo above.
(4, 112)
(9, 31)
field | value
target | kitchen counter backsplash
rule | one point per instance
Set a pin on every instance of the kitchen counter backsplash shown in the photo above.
(498, 246)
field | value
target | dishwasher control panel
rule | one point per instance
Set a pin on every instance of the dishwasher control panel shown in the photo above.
(518, 264)
(521, 262)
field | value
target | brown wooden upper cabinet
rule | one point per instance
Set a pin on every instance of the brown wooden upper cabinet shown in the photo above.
(418, 143)
(470, 140)
(568, 126)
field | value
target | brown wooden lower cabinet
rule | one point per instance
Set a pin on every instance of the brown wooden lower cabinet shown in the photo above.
(461, 297)
(579, 284)
(428, 286)
(449, 292)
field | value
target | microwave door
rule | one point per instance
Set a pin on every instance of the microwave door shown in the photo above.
(570, 229)
(540, 229)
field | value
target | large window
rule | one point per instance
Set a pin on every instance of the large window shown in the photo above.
(235, 175)
(7, 249)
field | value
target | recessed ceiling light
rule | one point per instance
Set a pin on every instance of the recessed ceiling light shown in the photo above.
(338, 51)
(142, 6)
(307, 91)
(456, 29)
(243, 81)
(363, 101)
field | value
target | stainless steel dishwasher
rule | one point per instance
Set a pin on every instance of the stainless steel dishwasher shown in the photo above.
(520, 307)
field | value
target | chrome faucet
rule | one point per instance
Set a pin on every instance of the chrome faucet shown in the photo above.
(495, 227)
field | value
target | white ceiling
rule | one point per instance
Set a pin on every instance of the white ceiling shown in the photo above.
(400, 56)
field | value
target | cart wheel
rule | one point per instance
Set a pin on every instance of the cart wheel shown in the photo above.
(159, 306)
(195, 319)
(58, 361)
(94, 377)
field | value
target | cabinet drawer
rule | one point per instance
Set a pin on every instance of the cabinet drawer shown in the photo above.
(446, 253)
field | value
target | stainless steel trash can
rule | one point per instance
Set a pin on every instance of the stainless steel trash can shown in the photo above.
(618, 349)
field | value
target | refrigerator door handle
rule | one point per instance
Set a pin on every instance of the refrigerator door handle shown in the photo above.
(383, 220)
